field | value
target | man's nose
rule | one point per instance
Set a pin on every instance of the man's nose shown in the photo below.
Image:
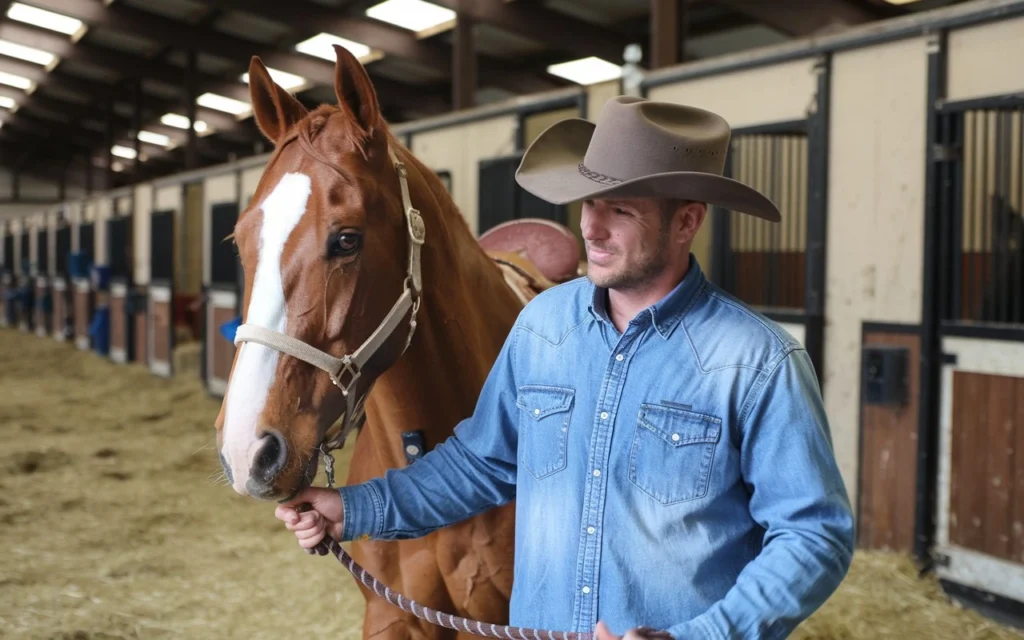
(591, 227)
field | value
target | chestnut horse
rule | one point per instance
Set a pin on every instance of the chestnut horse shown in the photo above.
(335, 263)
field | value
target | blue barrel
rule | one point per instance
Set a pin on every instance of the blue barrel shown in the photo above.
(78, 265)
(99, 330)
(100, 276)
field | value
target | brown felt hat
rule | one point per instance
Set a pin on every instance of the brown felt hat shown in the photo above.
(639, 149)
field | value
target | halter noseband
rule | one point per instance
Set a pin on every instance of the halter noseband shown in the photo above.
(346, 371)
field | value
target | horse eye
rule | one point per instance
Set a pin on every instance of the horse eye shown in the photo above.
(344, 244)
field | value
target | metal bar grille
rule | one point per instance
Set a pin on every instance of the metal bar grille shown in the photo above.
(766, 264)
(981, 214)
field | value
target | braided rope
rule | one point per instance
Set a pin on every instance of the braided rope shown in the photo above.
(484, 629)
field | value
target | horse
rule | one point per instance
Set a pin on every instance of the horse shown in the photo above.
(399, 305)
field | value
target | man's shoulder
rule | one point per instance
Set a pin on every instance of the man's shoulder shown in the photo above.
(556, 311)
(727, 333)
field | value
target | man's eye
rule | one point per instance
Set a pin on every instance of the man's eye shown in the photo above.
(344, 244)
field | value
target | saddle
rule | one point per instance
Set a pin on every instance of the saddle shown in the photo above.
(533, 254)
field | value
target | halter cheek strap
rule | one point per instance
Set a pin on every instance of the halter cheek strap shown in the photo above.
(346, 371)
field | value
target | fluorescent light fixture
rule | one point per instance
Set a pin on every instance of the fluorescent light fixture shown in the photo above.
(15, 81)
(223, 103)
(6, 103)
(322, 46)
(287, 81)
(123, 152)
(22, 52)
(181, 122)
(44, 19)
(152, 137)
(900, 1)
(415, 15)
(586, 70)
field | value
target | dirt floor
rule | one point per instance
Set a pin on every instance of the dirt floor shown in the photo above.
(114, 524)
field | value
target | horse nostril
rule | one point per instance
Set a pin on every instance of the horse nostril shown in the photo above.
(271, 457)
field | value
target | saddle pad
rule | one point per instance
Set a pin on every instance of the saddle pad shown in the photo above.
(550, 246)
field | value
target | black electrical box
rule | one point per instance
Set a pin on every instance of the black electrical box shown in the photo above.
(886, 374)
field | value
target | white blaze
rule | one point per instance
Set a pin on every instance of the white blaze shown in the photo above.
(254, 370)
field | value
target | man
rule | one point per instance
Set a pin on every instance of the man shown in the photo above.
(667, 447)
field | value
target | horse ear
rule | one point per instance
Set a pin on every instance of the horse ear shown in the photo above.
(274, 108)
(354, 90)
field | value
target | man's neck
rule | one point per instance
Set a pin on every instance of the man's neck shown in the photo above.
(624, 305)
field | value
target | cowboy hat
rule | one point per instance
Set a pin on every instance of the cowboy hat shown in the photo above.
(639, 148)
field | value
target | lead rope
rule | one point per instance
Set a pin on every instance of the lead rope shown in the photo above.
(433, 616)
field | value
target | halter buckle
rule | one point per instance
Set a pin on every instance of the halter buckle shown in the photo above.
(349, 367)
(417, 228)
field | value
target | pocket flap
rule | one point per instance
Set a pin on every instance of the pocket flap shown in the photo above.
(541, 401)
(680, 426)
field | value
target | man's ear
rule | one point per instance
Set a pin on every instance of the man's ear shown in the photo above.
(688, 220)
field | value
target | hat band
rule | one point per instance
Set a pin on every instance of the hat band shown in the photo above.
(595, 176)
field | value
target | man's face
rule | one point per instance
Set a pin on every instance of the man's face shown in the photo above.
(627, 241)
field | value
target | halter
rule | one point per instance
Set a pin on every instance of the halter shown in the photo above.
(346, 371)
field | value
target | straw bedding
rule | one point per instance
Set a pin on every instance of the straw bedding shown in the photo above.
(114, 523)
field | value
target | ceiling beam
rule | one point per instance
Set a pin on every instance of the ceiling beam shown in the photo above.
(312, 19)
(799, 18)
(552, 29)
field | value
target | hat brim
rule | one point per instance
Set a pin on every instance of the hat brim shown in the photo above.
(550, 170)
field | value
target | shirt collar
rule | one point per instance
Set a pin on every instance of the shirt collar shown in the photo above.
(664, 314)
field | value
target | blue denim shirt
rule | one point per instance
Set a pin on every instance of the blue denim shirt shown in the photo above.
(679, 475)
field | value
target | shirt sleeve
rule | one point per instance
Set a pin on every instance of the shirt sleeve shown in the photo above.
(798, 496)
(470, 472)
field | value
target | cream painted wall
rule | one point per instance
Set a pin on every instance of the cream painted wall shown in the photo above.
(597, 95)
(140, 232)
(460, 150)
(876, 216)
(983, 60)
(250, 180)
(104, 211)
(763, 95)
(218, 189)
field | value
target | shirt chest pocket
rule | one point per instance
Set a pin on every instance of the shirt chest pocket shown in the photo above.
(545, 413)
(673, 453)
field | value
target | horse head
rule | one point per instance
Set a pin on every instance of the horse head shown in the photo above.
(330, 248)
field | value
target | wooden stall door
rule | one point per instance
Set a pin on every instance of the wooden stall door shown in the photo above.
(888, 458)
(986, 499)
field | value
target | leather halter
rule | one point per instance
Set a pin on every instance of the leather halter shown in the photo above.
(346, 371)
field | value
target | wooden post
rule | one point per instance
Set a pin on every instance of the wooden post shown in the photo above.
(137, 126)
(668, 29)
(464, 63)
(191, 148)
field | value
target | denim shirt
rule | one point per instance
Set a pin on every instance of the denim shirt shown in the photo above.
(679, 475)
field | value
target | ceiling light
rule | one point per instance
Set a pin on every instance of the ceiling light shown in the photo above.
(44, 19)
(415, 15)
(181, 122)
(287, 81)
(900, 1)
(151, 137)
(586, 70)
(15, 81)
(223, 103)
(22, 52)
(117, 166)
(122, 152)
(6, 103)
(322, 46)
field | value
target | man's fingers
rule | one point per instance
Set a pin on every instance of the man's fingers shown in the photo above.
(304, 521)
(288, 515)
(304, 534)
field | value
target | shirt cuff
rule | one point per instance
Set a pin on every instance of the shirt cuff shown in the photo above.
(362, 512)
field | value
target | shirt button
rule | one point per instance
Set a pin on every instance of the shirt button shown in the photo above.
(412, 449)
(675, 437)
(604, 415)
(586, 589)
(597, 472)
(591, 529)
(619, 357)
(536, 412)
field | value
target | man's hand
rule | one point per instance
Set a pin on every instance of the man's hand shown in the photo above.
(310, 526)
(601, 632)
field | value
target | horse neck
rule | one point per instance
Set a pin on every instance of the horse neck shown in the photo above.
(466, 314)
